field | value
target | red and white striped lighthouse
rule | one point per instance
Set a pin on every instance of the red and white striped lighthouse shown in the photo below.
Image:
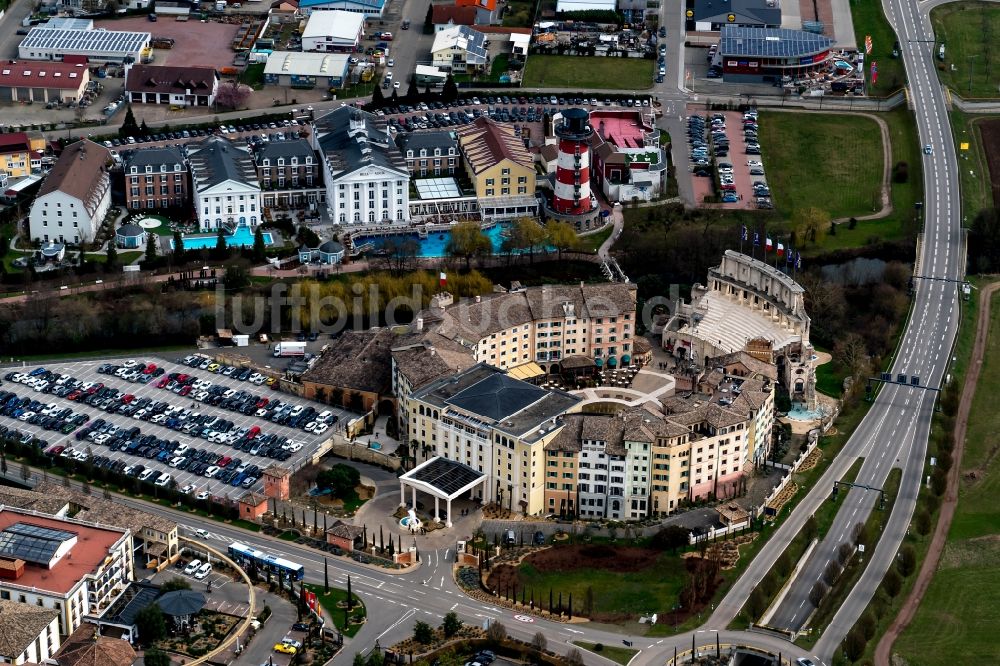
(571, 194)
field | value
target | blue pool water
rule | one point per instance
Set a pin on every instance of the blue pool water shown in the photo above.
(242, 238)
(800, 413)
(436, 243)
(840, 64)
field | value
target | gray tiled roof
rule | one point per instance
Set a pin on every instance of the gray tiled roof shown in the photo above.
(357, 360)
(295, 148)
(497, 397)
(351, 139)
(757, 11)
(216, 160)
(415, 141)
(154, 157)
(20, 625)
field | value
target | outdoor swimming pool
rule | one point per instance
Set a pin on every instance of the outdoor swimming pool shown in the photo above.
(436, 243)
(242, 238)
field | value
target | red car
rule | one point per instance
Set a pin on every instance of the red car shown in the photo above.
(223, 461)
(149, 369)
(94, 389)
(185, 390)
(162, 383)
(74, 395)
(262, 403)
(253, 432)
(127, 398)
(56, 450)
(182, 377)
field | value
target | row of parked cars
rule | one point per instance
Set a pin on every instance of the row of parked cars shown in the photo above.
(49, 416)
(277, 411)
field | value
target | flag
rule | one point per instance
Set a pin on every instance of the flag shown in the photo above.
(767, 245)
(756, 239)
(781, 249)
(743, 234)
(443, 279)
(798, 260)
(868, 44)
(874, 72)
(790, 256)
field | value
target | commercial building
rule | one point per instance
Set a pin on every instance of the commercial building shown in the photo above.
(747, 305)
(289, 174)
(333, 31)
(461, 48)
(69, 565)
(767, 55)
(42, 81)
(306, 70)
(629, 163)
(75, 197)
(29, 634)
(704, 16)
(176, 86)
(98, 46)
(156, 178)
(501, 169)
(365, 175)
(493, 424)
(367, 8)
(21, 153)
(226, 192)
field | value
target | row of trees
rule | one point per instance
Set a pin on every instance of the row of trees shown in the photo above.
(525, 236)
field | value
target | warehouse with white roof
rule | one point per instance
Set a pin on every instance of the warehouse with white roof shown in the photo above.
(306, 70)
(333, 30)
(99, 46)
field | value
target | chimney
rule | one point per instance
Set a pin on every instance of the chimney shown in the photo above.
(420, 323)
(479, 299)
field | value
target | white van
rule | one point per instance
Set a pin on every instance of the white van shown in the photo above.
(203, 570)
(192, 567)
(146, 474)
(163, 480)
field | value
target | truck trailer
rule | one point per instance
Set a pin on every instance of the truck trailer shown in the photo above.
(285, 348)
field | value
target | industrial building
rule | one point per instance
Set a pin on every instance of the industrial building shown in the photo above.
(306, 70)
(333, 30)
(709, 16)
(98, 46)
(765, 55)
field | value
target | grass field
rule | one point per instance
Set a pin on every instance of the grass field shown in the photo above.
(869, 19)
(124, 258)
(593, 242)
(831, 162)
(957, 620)
(329, 602)
(973, 173)
(621, 655)
(556, 71)
(970, 31)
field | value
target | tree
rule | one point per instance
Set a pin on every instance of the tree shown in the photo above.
(129, 126)
(326, 576)
(412, 93)
(817, 593)
(844, 553)
(154, 656)
(429, 20)
(670, 538)
(831, 573)
(259, 249)
(112, 256)
(854, 644)
(868, 625)
(178, 247)
(574, 658)
(892, 583)
(221, 250)
(496, 633)
(526, 235)
(450, 91)
(811, 528)
(852, 353)
(757, 603)
(906, 560)
(539, 642)
(237, 276)
(175, 583)
(922, 522)
(451, 624)
(152, 241)
(378, 99)
(468, 240)
(359, 659)
(143, 128)
(232, 95)
(562, 236)
(810, 224)
(151, 624)
(423, 633)
(375, 658)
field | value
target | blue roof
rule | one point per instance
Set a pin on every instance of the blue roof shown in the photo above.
(770, 42)
(334, 4)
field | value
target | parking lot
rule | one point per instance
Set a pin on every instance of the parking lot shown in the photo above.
(727, 140)
(186, 409)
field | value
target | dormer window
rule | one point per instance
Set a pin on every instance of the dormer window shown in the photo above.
(281, 161)
(163, 168)
(295, 161)
(409, 154)
(177, 167)
(135, 170)
(149, 169)
(267, 162)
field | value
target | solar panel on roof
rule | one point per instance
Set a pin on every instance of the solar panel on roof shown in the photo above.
(32, 543)
(446, 475)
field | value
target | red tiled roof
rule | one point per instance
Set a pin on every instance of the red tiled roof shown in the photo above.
(499, 29)
(453, 13)
(38, 74)
(486, 143)
(482, 4)
(15, 142)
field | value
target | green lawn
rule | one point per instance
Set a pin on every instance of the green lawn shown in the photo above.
(521, 14)
(830, 377)
(544, 71)
(957, 619)
(253, 76)
(329, 602)
(124, 258)
(869, 19)
(831, 162)
(970, 31)
(621, 655)
(593, 242)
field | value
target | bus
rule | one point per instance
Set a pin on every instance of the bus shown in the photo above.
(243, 554)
